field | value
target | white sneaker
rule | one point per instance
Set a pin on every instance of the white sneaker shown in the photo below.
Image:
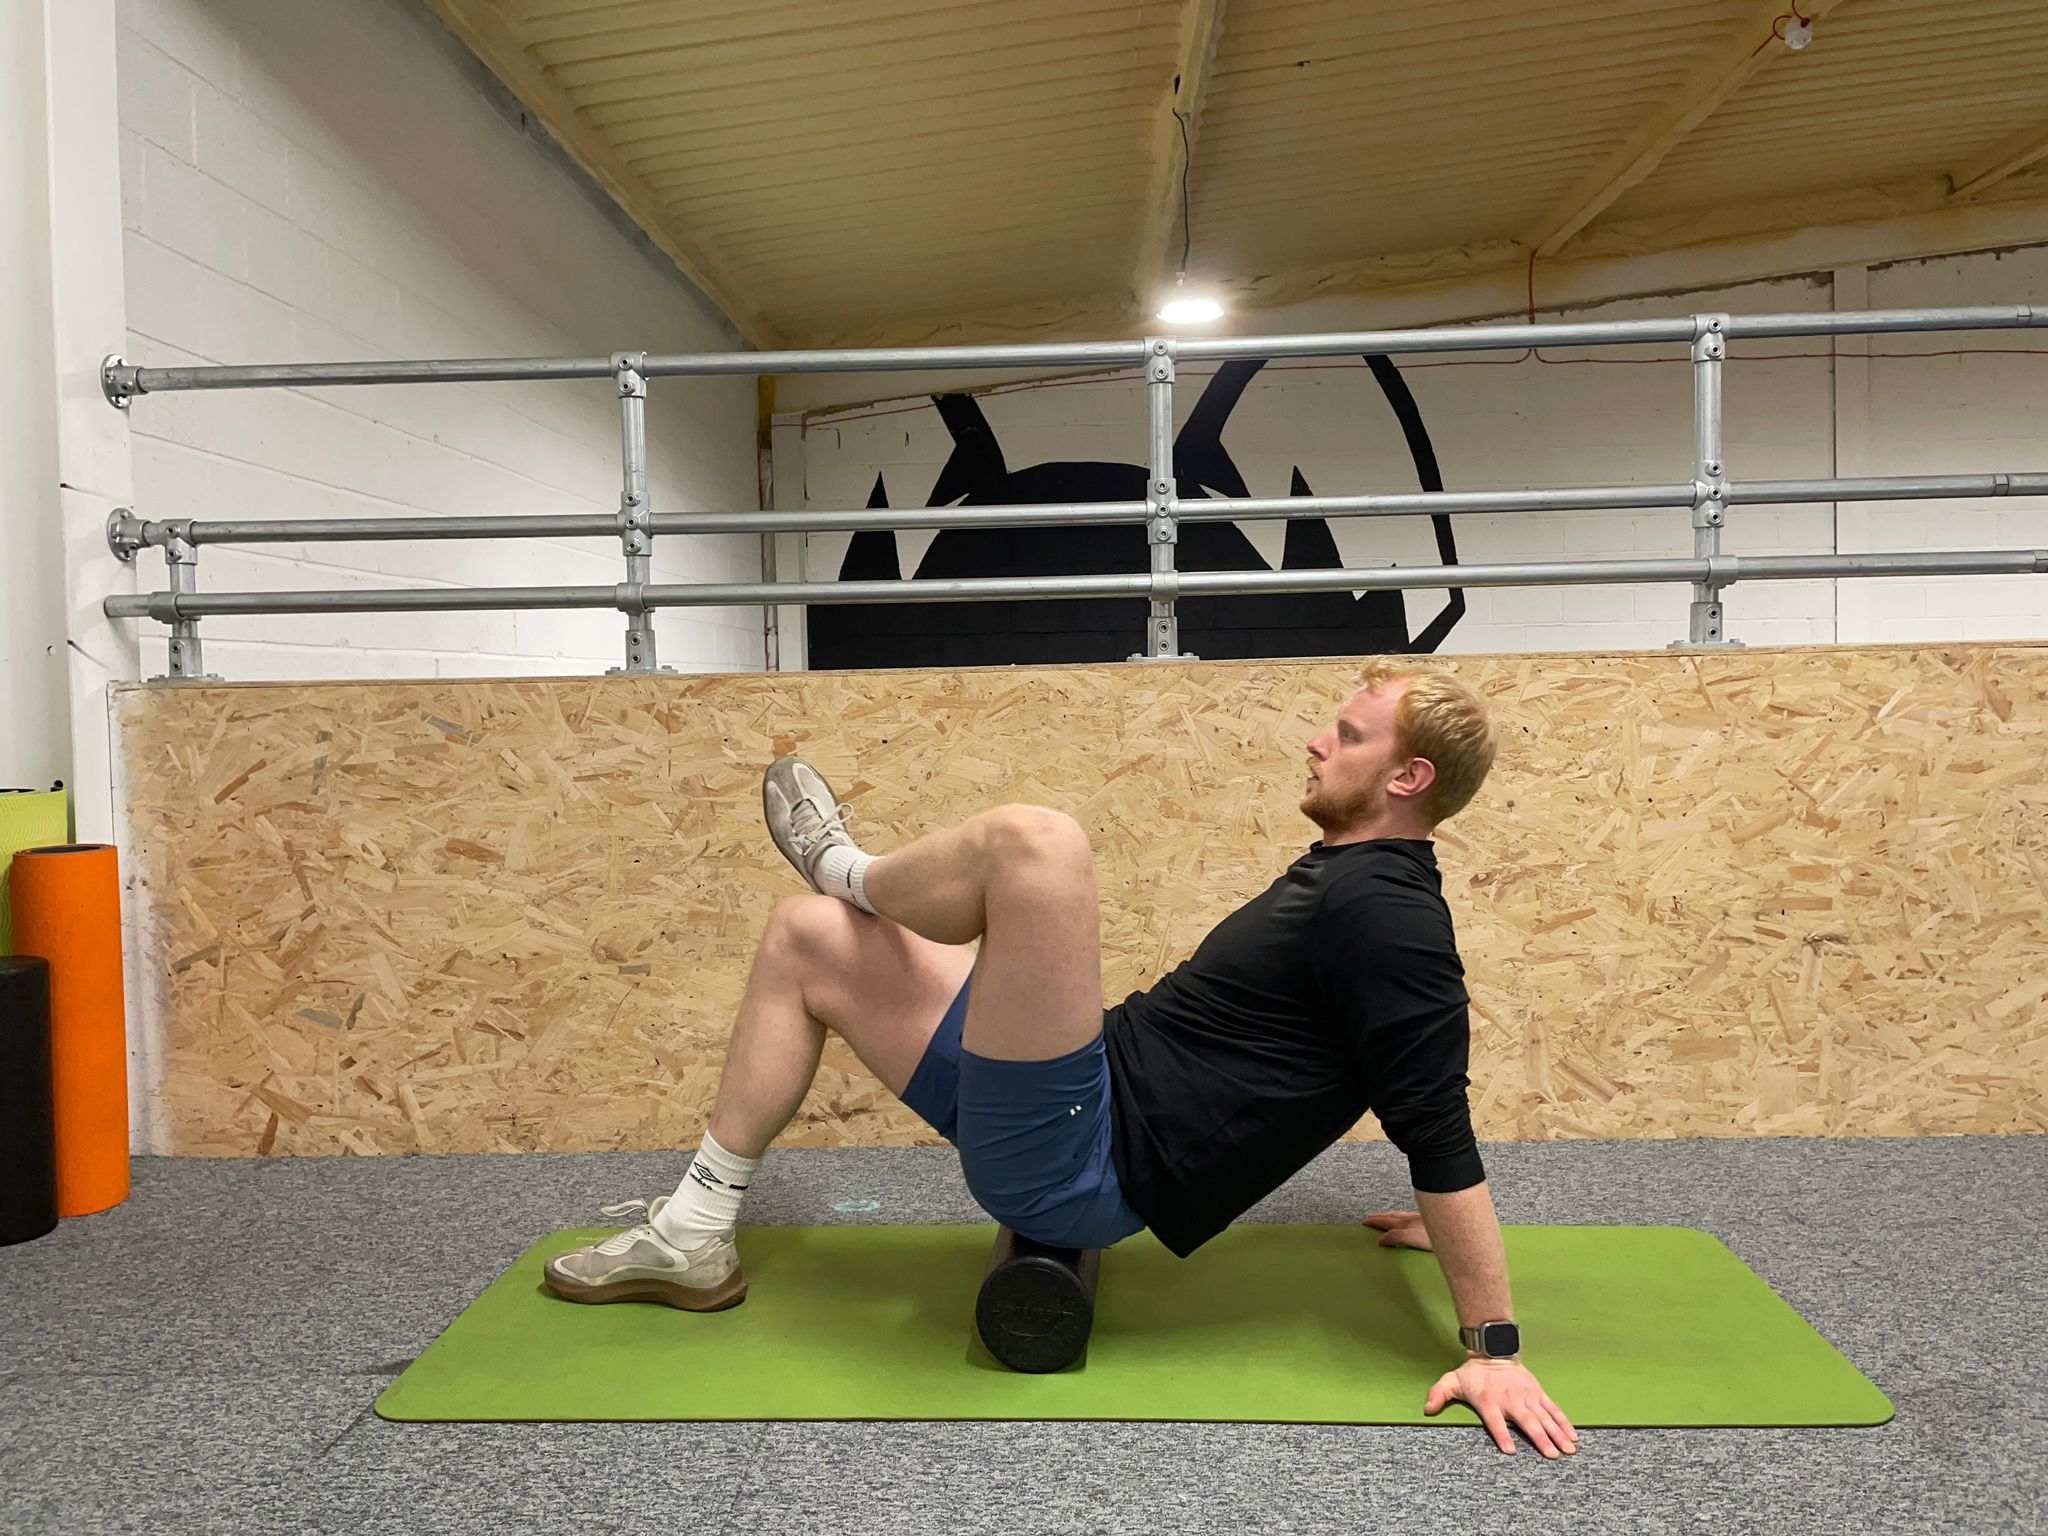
(803, 815)
(639, 1264)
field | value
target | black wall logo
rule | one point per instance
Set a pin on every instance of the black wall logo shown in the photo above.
(992, 633)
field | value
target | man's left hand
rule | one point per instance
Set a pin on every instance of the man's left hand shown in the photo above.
(1400, 1229)
(1504, 1393)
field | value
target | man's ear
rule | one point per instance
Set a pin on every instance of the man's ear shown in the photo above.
(1414, 778)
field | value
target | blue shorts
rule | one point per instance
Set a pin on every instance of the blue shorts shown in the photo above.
(1033, 1135)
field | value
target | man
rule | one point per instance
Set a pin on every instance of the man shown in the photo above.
(1337, 990)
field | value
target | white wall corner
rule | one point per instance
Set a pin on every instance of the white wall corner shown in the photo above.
(87, 311)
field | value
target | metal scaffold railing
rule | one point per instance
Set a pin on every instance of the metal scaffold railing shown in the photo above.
(1708, 493)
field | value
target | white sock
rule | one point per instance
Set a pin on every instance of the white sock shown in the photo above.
(843, 872)
(707, 1202)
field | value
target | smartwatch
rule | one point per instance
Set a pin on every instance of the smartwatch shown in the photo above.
(1492, 1341)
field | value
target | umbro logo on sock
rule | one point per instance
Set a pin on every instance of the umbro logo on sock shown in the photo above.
(712, 1181)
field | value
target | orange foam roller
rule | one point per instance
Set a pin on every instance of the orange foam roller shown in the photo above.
(67, 908)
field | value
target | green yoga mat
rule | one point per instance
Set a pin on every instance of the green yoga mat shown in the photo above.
(28, 819)
(1283, 1324)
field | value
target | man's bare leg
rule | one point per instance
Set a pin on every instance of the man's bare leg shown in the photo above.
(1019, 878)
(770, 1059)
(1022, 880)
(824, 965)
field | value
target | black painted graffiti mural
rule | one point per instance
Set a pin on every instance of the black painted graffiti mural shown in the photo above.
(1110, 629)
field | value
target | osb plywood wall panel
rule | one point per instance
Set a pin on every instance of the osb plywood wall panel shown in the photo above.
(1753, 892)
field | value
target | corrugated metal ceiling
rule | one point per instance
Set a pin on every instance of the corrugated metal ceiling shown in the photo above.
(1889, 90)
(1336, 129)
(858, 170)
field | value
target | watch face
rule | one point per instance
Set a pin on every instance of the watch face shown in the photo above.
(1500, 1339)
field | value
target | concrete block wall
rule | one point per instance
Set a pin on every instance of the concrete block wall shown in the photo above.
(1793, 409)
(343, 180)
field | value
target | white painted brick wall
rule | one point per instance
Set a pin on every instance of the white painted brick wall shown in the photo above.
(1968, 414)
(1566, 422)
(316, 182)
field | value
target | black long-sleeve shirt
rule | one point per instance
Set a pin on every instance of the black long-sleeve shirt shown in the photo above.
(1336, 991)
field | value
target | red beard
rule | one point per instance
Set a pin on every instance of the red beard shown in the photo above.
(1334, 812)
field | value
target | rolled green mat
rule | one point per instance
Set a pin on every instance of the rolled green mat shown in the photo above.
(29, 818)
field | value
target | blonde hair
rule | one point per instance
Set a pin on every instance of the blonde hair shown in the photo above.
(1443, 720)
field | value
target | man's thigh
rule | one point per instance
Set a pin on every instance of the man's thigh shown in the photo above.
(1038, 984)
(878, 986)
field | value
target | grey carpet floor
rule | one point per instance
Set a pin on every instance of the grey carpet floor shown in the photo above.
(204, 1358)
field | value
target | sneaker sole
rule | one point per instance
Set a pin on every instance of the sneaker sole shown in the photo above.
(727, 1293)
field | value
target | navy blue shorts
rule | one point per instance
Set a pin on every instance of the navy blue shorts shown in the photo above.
(1033, 1135)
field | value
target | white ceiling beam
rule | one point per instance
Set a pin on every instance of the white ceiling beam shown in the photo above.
(1715, 81)
(1160, 236)
(491, 37)
(1993, 166)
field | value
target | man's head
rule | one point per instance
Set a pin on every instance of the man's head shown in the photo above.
(1408, 750)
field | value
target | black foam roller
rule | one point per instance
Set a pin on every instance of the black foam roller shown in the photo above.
(1037, 1303)
(28, 1145)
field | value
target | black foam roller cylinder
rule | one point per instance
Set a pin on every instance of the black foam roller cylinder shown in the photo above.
(1037, 1303)
(28, 1144)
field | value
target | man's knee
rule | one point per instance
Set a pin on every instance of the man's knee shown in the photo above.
(801, 928)
(1036, 832)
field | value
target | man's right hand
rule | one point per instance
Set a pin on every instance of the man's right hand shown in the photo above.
(1400, 1229)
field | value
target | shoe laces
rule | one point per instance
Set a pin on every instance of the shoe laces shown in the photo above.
(619, 1242)
(809, 831)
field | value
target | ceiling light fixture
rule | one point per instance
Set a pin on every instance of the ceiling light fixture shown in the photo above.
(1185, 308)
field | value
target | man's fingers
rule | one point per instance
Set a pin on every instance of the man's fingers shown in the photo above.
(1531, 1418)
(1567, 1441)
(1557, 1413)
(1521, 1406)
(1399, 1229)
(1565, 1428)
